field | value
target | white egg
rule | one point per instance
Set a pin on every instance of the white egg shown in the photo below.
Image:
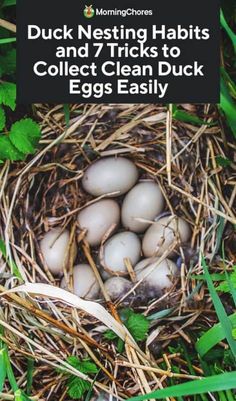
(156, 275)
(98, 218)
(85, 282)
(144, 201)
(110, 174)
(162, 234)
(54, 247)
(117, 287)
(117, 248)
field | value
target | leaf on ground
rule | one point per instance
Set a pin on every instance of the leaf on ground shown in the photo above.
(222, 161)
(66, 109)
(9, 261)
(8, 94)
(225, 381)
(84, 366)
(225, 286)
(20, 396)
(3, 369)
(227, 29)
(212, 337)
(2, 119)
(138, 326)
(220, 310)
(110, 335)
(181, 115)
(76, 387)
(25, 135)
(8, 63)
(234, 333)
(8, 150)
(7, 3)
(120, 346)
(228, 105)
(136, 323)
(5, 41)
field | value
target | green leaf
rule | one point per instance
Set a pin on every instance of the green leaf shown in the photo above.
(29, 375)
(8, 94)
(230, 83)
(20, 396)
(120, 345)
(90, 391)
(77, 387)
(2, 119)
(225, 381)
(66, 109)
(7, 40)
(10, 263)
(230, 283)
(138, 326)
(136, 323)
(228, 106)
(3, 369)
(85, 366)
(110, 335)
(10, 373)
(222, 161)
(182, 115)
(8, 150)
(8, 63)
(228, 30)
(25, 135)
(212, 337)
(8, 3)
(220, 311)
(225, 286)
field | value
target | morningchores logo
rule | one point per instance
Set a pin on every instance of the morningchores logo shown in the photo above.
(90, 11)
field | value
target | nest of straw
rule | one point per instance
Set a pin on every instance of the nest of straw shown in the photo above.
(45, 192)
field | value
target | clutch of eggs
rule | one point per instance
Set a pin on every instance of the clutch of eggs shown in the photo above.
(143, 201)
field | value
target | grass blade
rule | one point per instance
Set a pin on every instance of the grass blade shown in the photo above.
(29, 376)
(10, 374)
(66, 109)
(7, 40)
(212, 337)
(8, 3)
(20, 396)
(182, 115)
(224, 381)
(228, 105)
(3, 370)
(228, 30)
(222, 316)
(11, 263)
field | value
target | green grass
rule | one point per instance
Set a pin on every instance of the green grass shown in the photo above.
(225, 381)
(6, 372)
(220, 311)
(10, 262)
(5, 41)
(213, 336)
